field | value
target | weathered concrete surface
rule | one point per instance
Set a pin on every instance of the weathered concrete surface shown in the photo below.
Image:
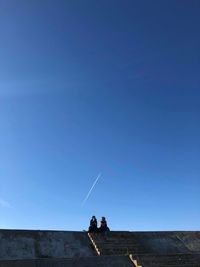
(24, 248)
(157, 260)
(169, 242)
(118, 243)
(96, 261)
(29, 244)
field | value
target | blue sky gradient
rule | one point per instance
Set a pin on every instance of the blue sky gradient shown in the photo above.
(89, 87)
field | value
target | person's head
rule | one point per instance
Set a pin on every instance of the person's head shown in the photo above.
(103, 218)
(93, 217)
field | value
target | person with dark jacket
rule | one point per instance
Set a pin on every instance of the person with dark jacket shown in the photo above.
(93, 225)
(103, 226)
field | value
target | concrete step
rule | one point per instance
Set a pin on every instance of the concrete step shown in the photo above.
(181, 265)
(119, 251)
(163, 265)
(135, 249)
(97, 261)
(167, 260)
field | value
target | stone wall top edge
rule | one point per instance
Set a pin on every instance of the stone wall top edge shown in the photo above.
(121, 231)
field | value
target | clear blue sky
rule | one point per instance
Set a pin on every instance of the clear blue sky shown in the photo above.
(100, 86)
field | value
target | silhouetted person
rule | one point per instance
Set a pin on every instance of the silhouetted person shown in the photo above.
(103, 226)
(93, 225)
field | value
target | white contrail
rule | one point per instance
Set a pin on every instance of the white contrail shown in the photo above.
(88, 194)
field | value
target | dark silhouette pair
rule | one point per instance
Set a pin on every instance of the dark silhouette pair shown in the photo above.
(93, 225)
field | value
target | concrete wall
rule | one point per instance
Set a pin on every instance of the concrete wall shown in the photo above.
(55, 246)
(24, 244)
